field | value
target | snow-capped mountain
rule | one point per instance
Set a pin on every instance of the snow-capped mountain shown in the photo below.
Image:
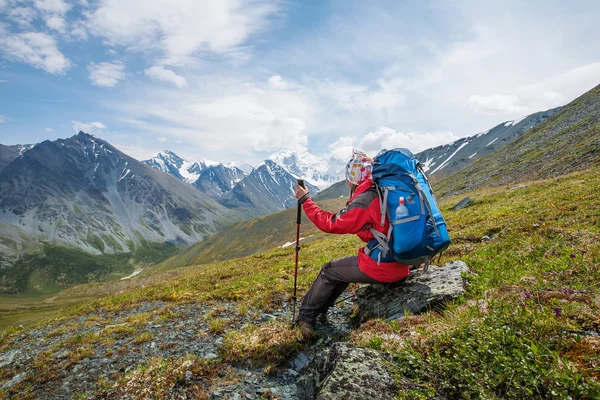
(190, 172)
(217, 180)
(244, 167)
(444, 160)
(267, 189)
(84, 192)
(306, 165)
(9, 153)
(172, 164)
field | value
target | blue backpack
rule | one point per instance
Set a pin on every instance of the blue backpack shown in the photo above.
(416, 234)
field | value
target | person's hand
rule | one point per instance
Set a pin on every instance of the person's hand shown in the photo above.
(300, 192)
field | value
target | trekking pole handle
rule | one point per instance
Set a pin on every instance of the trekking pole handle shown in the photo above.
(299, 216)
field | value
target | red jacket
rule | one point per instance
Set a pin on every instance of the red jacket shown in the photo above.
(362, 212)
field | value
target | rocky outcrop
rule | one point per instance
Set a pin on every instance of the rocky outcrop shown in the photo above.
(417, 293)
(347, 372)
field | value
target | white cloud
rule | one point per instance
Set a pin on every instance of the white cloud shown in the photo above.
(48, 130)
(87, 127)
(56, 22)
(160, 73)
(36, 49)
(277, 82)
(387, 138)
(52, 6)
(163, 139)
(23, 16)
(106, 74)
(496, 103)
(2, 118)
(180, 29)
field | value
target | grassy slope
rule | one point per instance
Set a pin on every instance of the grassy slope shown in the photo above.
(568, 141)
(249, 237)
(522, 330)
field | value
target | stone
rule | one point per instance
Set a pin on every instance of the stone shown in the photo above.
(76, 368)
(415, 294)
(300, 361)
(61, 354)
(7, 359)
(464, 203)
(188, 375)
(153, 345)
(15, 380)
(210, 356)
(348, 372)
(219, 341)
(237, 396)
(485, 238)
(267, 317)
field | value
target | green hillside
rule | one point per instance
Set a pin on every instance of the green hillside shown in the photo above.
(251, 236)
(568, 141)
(527, 328)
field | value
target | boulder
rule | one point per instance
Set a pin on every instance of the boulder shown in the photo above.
(348, 372)
(417, 293)
(462, 204)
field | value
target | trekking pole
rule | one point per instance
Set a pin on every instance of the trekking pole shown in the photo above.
(344, 299)
(298, 222)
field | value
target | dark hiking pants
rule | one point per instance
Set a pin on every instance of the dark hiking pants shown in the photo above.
(329, 285)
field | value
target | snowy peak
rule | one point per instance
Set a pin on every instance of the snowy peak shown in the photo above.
(306, 165)
(173, 164)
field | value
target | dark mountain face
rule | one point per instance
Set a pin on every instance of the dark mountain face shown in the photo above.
(443, 161)
(566, 142)
(267, 189)
(217, 180)
(84, 192)
(10, 153)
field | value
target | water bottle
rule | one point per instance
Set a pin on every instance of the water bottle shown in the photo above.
(401, 211)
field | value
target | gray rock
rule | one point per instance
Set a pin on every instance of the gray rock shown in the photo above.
(77, 368)
(464, 203)
(15, 380)
(485, 238)
(188, 375)
(61, 354)
(417, 293)
(7, 358)
(237, 396)
(300, 362)
(210, 356)
(219, 341)
(267, 317)
(346, 371)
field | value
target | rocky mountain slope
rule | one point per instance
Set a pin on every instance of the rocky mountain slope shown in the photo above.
(443, 161)
(9, 153)
(567, 141)
(83, 192)
(218, 180)
(268, 188)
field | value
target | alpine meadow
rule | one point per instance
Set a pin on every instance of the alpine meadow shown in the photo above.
(253, 199)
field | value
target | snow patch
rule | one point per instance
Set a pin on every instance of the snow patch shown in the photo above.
(449, 158)
(491, 142)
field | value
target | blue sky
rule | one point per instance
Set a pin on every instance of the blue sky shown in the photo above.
(239, 80)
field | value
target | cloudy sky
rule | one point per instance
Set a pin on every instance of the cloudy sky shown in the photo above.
(238, 80)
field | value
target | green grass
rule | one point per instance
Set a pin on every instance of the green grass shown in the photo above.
(521, 330)
(249, 237)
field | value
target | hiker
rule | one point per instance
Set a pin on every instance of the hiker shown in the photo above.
(362, 212)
